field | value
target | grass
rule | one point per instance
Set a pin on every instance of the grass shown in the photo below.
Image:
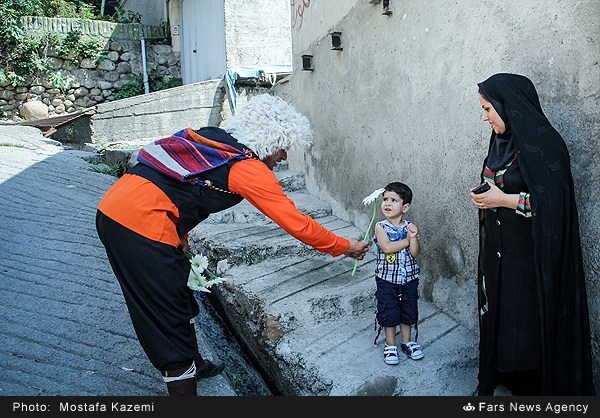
(12, 144)
(111, 170)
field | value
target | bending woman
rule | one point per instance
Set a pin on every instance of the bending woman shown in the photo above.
(143, 221)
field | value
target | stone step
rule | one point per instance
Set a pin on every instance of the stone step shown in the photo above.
(309, 323)
(306, 319)
(251, 242)
(291, 180)
(244, 212)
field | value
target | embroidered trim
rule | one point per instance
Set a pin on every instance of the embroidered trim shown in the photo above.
(524, 205)
(485, 307)
(210, 185)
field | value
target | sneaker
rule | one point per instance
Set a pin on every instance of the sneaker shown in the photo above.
(210, 369)
(412, 350)
(390, 354)
(387, 11)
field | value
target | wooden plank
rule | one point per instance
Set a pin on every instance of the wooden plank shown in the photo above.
(57, 121)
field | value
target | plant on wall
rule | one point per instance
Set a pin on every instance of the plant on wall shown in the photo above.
(130, 89)
(125, 16)
(23, 56)
(158, 82)
(135, 87)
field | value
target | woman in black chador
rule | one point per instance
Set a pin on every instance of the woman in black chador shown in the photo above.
(533, 312)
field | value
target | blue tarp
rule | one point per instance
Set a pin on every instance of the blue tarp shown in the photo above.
(252, 71)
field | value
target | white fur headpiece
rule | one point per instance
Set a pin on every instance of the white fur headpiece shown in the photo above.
(268, 123)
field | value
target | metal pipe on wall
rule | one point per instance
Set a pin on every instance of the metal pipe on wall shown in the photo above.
(144, 69)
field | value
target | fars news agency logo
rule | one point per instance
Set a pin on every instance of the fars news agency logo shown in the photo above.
(468, 407)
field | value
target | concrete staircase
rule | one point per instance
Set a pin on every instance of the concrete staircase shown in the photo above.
(308, 323)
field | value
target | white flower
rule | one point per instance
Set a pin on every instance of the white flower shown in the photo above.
(197, 280)
(199, 262)
(372, 197)
(367, 201)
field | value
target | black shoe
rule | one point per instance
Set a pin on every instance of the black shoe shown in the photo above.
(210, 369)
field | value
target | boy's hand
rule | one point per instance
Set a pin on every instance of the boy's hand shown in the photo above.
(413, 231)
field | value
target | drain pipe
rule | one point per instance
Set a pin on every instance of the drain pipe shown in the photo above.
(144, 69)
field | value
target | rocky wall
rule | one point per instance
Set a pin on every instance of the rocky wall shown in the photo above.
(89, 82)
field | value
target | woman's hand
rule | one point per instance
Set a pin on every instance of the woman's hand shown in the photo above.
(357, 249)
(494, 198)
(490, 199)
(184, 245)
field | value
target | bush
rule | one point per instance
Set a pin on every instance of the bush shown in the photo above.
(24, 56)
(170, 83)
(130, 89)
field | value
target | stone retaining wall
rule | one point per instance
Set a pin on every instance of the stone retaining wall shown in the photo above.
(92, 82)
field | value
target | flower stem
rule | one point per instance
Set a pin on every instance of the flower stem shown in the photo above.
(365, 237)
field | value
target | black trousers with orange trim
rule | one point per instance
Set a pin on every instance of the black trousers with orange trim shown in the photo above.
(153, 277)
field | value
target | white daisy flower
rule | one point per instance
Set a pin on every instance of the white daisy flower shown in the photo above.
(372, 197)
(197, 282)
(367, 201)
(197, 279)
(199, 262)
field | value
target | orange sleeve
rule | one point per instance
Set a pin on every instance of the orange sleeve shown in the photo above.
(253, 180)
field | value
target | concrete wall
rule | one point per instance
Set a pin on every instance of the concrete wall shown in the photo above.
(153, 12)
(310, 20)
(257, 32)
(144, 118)
(174, 13)
(138, 120)
(400, 102)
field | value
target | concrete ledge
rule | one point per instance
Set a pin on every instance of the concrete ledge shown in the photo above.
(158, 114)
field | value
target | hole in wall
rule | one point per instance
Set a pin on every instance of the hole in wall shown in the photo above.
(307, 63)
(336, 41)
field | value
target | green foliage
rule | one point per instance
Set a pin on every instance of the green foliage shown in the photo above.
(135, 87)
(130, 89)
(57, 81)
(126, 16)
(87, 11)
(24, 56)
(13, 144)
(162, 85)
(74, 44)
(114, 170)
(27, 58)
(81, 9)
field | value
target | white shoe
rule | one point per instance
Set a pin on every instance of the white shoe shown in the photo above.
(412, 350)
(390, 354)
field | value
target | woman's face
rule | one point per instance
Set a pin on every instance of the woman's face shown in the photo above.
(491, 116)
(272, 160)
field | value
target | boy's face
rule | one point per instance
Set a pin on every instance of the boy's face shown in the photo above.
(392, 205)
